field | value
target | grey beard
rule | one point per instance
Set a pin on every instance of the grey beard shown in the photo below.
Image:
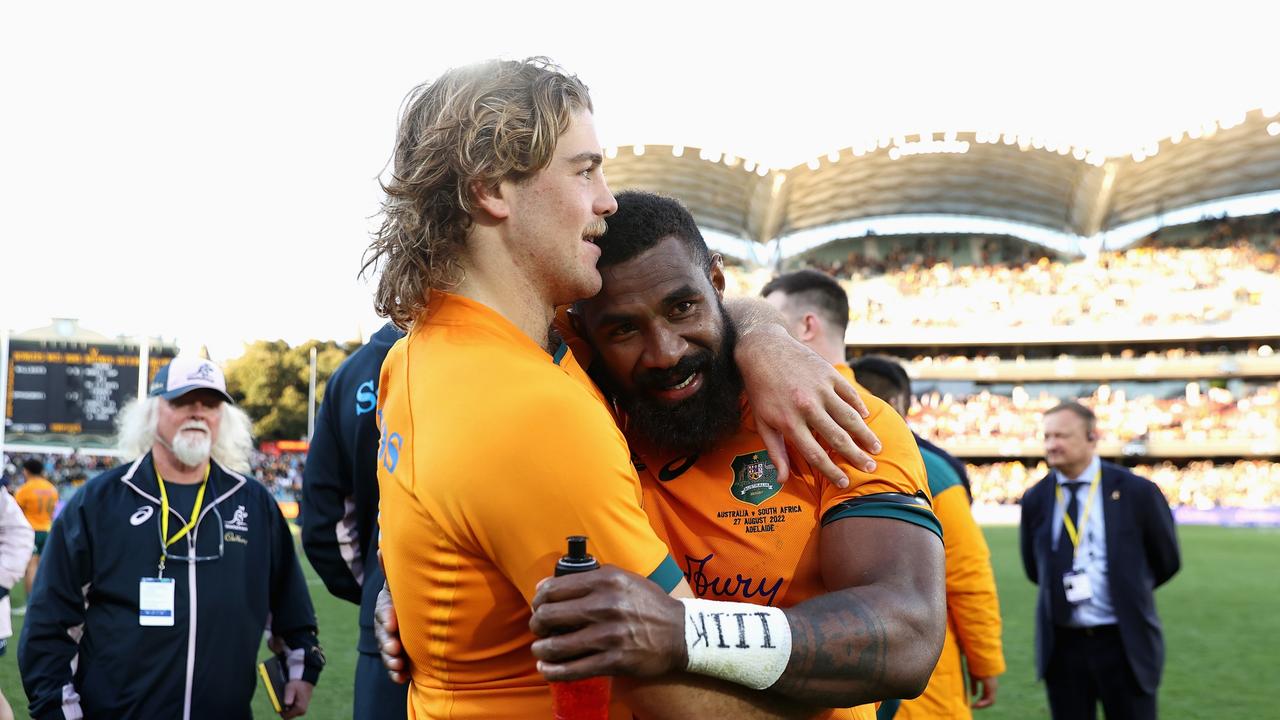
(191, 450)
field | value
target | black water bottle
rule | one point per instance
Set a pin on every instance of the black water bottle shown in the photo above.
(578, 560)
(586, 699)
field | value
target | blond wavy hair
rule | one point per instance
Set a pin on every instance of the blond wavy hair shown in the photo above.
(480, 124)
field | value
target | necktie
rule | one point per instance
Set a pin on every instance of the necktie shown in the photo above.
(1073, 506)
(1063, 556)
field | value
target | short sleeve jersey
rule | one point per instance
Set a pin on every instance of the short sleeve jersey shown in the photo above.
(38, 498)
(739, 535)
(493, 451)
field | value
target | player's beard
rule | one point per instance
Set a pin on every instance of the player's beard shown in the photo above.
(700, 421)
(192, 448)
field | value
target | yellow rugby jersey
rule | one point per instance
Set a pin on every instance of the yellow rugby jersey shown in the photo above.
(739, 535)
(491, 453)
(38, 498)
(847, 372)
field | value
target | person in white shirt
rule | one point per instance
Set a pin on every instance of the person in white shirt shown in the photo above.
(17, 542)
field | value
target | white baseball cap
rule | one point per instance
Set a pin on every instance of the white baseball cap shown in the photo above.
(184, 374)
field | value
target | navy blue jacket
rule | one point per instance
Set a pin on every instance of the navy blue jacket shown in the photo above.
(85, 602)
(1142, 554)
(339, 510)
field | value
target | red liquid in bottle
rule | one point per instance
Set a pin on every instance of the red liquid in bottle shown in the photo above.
(581, 699)
(586, 699)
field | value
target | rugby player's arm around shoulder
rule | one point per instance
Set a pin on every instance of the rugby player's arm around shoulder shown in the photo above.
(800, 401)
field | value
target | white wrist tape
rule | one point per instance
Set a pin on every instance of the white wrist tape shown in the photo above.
(745, 644)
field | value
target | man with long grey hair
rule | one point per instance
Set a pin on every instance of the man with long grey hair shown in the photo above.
(160, 575)
(192, 444)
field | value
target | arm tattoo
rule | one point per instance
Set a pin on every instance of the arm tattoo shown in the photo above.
(839, 637)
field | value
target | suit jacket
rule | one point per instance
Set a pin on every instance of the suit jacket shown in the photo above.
(1142, 554)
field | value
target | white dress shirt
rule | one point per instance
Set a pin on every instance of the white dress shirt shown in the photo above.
(1091, 555)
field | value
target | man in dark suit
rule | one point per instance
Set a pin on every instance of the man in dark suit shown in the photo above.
(1098, 540)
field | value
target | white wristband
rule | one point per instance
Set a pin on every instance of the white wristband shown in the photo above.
(745, 644)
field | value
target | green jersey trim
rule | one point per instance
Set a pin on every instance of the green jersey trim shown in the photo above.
(941, 475)
(560, 353)
(667, 575)
(895, 509)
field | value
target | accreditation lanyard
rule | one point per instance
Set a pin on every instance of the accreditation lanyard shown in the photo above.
(164, 514)
(1072, 531)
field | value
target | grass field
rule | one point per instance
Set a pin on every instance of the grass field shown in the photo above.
(1221, 628)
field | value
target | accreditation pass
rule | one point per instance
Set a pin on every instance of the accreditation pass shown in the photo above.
(155, 602)
(1077, 587)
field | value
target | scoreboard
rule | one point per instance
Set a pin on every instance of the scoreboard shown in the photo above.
(71, 392)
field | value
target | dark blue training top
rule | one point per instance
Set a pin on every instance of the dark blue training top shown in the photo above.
(339, 510)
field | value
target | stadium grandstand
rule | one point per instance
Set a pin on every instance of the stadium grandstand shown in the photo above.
(1008, 271)
(1011, 272)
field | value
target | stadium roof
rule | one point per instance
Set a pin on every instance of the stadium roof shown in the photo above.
(1063, 197)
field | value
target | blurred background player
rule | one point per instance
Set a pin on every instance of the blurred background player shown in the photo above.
(973, 609)
(16, 544)
(340, 511)
(38, 498)
(1098, 540)
(816, 309)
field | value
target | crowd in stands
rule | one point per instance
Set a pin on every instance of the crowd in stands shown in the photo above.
(66, 472)
(1002, 483)
(281, 473)
(1229, 272)
(1143, 286)
(1218, 234)
(1202, 484)
(927, 251)
(1250, 350)
(1195, 417)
